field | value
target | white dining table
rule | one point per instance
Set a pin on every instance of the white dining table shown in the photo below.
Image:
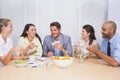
(90, 69)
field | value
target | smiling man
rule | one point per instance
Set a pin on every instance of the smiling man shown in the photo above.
(57, 44)
(110, 47)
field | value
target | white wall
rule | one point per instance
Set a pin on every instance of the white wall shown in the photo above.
(72, 14)
(63, 11)
(114, 13)
(94, 12)
(13, 10)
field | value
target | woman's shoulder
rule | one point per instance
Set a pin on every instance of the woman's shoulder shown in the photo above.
(22, 38)
(95, 43)
(36, 38)
(80, 39)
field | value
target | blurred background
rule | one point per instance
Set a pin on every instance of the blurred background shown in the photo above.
(72, 15)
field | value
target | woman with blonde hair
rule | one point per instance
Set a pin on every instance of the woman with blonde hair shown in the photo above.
(6, 44)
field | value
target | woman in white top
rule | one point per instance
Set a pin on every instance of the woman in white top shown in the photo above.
(87, 38)
(6, 44)
(30, 41)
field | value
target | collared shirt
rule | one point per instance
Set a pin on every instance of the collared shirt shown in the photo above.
(23, 43)
(64, 40)
(114, 45)
(5, 47)
(57, 52)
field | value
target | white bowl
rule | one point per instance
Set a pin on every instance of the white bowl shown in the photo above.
(21, 65)
(41, 58)
(63, 63)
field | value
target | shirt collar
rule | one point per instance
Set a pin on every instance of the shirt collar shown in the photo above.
(58, 39)
(86, 43)
(28, 40)
(113, 38)
(1, 39)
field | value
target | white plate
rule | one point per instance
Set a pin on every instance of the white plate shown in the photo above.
(41, 58)
(21, 65)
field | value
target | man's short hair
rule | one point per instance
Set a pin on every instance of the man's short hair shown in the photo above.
(57, 24)
(112, 25)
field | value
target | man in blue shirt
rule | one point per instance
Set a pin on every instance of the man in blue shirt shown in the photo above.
(111, 53)
(57, 44)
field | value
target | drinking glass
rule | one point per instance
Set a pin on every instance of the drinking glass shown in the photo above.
(49, 64)
(81, 54)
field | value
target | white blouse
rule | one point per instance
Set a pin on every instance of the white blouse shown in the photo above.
(5, 46)
(83, 45)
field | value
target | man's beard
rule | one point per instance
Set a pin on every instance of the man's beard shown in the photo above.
(105, 36)
(56, 37)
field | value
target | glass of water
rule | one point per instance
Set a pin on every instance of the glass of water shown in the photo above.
(49, 64)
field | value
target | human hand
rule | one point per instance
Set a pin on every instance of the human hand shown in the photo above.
(59, 46)
(31, 46)
(1, 58)
(49, 54)
(24, 57)
(11, 51)
(91, 55)
(92, 49)
(19, 51)
(76, 48)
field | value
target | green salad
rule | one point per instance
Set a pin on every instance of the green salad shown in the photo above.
(20, 61)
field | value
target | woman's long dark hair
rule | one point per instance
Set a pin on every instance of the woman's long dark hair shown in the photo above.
(24, 34)
(90, 30)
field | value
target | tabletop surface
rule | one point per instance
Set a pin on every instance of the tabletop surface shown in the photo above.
(90, 69)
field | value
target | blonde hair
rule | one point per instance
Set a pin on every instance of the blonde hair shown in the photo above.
(3, 22)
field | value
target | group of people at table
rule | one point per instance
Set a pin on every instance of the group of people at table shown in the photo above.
(58, 44)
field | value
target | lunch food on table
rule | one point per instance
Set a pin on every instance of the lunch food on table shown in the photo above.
(20, 61)
(67, 57)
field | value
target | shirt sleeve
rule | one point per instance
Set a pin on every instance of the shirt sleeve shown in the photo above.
(21, 42)
(45, 49)
(38, 47)
(116, 53)
(1, 53)
(68, 46)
